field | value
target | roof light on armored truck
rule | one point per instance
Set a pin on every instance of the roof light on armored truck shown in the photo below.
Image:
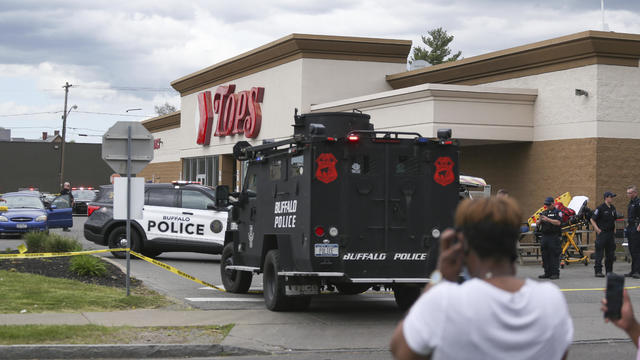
(353, 137)
(319, 231)
(444, 136)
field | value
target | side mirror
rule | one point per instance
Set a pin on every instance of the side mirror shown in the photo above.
(53, 207)
(222, 196)
(235, 214)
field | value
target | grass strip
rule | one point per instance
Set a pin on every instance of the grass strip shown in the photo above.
(37, 293)
(98, 334)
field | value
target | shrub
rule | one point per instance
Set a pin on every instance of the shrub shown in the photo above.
(36, 241)
(43, 242)
(58, 243)
(87, 265)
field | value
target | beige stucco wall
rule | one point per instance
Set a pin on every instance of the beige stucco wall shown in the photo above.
(471, 112)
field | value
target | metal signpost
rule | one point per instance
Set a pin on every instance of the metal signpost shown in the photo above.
(127, 147)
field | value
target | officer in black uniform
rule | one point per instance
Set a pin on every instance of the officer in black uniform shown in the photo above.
(633, 231)
(604, 223)
(549, 225)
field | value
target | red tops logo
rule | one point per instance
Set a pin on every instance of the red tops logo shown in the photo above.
(326, 171)
(237, 113)
(444, 171)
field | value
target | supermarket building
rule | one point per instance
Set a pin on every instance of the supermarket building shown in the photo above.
(538, 119)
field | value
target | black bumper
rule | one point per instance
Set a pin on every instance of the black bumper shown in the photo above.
(95, 237)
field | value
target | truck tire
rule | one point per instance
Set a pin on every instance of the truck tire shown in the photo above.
(406, 295)
(352, 289)
(275, 297)
(237, 282)
(117, 239)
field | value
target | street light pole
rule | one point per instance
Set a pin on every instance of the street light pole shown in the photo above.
(64, 130)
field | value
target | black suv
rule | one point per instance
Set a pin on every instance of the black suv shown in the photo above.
(176, 217)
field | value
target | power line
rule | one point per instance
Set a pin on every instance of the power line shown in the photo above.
(120, 88)
(103, 113)
(36, 113)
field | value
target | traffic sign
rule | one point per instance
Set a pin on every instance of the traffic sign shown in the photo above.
(115, 148)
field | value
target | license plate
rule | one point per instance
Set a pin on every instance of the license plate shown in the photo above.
(307, 289)
(326, 250)
(21, 226)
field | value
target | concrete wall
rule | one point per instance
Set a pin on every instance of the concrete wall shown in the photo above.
(25, 164)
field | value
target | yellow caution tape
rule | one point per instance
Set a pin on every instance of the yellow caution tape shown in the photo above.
(22, 249)
(175, 271)
(599, 289)
(45, 255)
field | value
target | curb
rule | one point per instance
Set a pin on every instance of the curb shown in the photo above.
(146, 351)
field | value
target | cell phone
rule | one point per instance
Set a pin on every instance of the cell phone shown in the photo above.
(615, 286)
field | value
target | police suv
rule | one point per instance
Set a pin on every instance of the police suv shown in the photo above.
(340, 206)
(175, 217)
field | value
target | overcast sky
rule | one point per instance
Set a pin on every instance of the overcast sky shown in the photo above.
(122, 55)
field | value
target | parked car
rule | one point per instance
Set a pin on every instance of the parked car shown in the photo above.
(176, 217)
(21, 212)
(81, 198)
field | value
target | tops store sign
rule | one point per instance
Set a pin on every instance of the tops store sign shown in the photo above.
(236, 113)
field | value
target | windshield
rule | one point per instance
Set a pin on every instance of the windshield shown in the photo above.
(87, 195)
(22, 202)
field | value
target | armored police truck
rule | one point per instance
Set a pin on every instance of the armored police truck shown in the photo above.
(340, 206)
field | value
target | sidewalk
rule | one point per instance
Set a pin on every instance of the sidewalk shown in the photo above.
(257, 332)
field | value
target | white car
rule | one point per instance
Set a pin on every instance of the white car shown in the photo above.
(175, 217)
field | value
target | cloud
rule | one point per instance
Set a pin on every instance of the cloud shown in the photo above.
(102, 47)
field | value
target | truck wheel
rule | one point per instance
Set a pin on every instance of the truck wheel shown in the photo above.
(118, 239)
(234, 281)
(406, 295)
(352, 289)
(273, 286)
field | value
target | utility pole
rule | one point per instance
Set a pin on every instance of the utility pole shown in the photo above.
(64, 132)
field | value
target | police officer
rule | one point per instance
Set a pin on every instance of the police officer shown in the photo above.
(633, 231)
(604, 223)
(549, 225)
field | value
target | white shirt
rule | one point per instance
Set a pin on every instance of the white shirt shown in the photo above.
(476, 320)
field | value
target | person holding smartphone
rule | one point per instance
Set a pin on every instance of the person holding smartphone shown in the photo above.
(494, 314)
(625, 320)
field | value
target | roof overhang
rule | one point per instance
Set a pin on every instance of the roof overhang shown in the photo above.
(163, 122)
(293, 47)
(476, 114)
(566, 52)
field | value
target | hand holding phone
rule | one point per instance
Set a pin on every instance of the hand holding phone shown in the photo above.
(615, 287)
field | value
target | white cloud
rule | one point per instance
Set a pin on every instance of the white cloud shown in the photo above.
(102, 47)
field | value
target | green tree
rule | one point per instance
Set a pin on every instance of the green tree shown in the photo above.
(438, 41)
(165, 109)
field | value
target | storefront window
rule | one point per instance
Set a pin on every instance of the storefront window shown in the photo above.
(203, 169)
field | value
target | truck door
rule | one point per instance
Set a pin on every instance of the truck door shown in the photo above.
(249, 245)
(395, 205)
